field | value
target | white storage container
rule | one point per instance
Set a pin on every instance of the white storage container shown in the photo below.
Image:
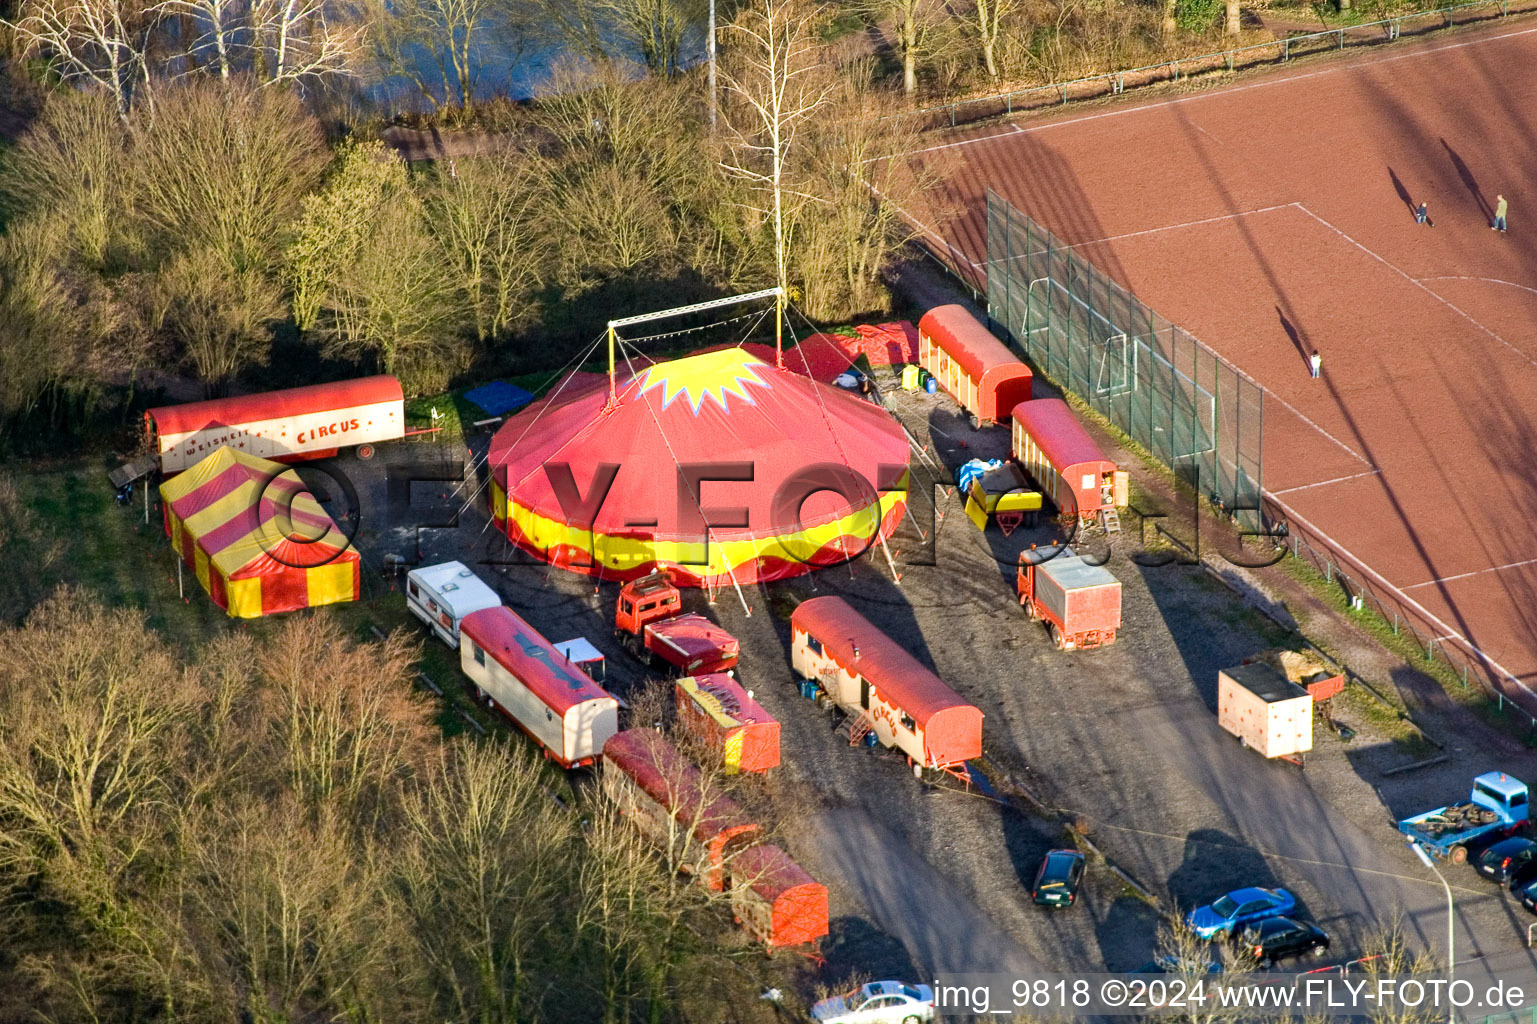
(1265, 710)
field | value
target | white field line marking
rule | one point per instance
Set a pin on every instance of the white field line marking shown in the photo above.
(1485, 280)
(1449, 634)
(1326, 483)
(1266, 84)
(928, 231)
(1016, 130)
(1475, 572)
(1150, 231)
(1428, 291)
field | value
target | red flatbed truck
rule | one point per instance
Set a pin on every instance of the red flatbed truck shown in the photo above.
(651, 624)
(1080, 602)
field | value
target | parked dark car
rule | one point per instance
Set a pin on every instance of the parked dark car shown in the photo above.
(1058, 878)
(1510, 861)
(1527, 894)
(1277, 938)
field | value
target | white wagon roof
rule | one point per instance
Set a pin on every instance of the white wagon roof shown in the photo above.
(456, 587)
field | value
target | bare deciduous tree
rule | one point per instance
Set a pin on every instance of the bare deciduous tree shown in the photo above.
(224, 167)
(451, 34)
(275, 41)
(98, 42)
(913, 21)
(221, 318)
(988, 18)
(70, 163)
(775, 83)
(657, 29)
(484, 213)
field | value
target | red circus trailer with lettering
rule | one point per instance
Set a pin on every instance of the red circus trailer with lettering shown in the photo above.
(310, 422)
(521, 674)
(1063, 459)
(886, 690)
(775, 899)
(971, 364)
(674, 806)
(725, 716)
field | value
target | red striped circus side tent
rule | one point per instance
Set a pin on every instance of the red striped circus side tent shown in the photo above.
(257, 540)
(794, 475)
(971, 364)
(775, 899)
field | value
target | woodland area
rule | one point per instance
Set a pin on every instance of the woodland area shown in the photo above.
(275, 830)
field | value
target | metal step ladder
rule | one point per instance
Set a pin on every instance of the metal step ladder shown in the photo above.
(1110, 519)
(860, 727)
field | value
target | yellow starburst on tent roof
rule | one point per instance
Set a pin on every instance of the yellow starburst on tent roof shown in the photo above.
(709, 375)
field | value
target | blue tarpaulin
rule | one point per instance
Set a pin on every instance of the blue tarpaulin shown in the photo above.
(499, 398)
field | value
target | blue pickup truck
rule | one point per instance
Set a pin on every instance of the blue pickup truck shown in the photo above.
(1497, 806)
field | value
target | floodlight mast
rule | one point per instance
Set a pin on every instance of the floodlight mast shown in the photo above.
(778, 295)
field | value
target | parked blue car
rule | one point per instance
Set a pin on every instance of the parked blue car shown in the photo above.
(1241, 906)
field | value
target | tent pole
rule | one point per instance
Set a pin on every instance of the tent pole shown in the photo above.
(896, 577)
(779, 322)
(146, 501)
(179, 591)
(613, 395)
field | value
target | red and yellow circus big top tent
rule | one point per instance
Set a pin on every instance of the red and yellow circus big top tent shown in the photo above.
(781, 437)
(256, 538)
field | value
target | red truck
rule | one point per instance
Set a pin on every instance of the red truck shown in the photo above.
(652, 625)
(1080, 602)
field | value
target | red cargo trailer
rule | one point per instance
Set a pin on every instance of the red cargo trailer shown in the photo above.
(672, 804)
(885, 690)
(971, 364)
(1064, 460)
(775, 899)
(1080, 602)
(719, 711)
(312, 422)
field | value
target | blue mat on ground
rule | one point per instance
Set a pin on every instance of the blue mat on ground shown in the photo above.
(499, 398)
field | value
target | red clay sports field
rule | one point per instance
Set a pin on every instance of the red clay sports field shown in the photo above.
(1275, 215)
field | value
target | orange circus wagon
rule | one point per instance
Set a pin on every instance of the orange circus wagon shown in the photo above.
(1064, 461)
(971, 364)
(887, 693)
(719, 711)
(775, 900)
(672, 804)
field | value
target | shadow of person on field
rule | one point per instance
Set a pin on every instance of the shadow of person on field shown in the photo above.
(1471, 183)
(1403, 192)
(1294, 334)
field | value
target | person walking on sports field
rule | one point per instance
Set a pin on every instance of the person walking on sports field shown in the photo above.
(1422, 215)
(1499, 215)
(1315, 364)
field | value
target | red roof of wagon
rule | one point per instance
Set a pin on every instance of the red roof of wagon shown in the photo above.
(1059, 435)
(951, 725)
(967, 341)
(799, 901)
(272, 405)
(667, 777)
(519, 648)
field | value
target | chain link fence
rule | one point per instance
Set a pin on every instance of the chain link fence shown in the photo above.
(1195, 412)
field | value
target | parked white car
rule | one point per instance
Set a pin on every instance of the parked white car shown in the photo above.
(880, 1002)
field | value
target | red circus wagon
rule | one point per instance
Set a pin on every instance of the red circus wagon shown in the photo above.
(311, 422)
(775, 900)
(971, 364)
(719, 711)
(672, 804)
(1063, 459)
(887, 693)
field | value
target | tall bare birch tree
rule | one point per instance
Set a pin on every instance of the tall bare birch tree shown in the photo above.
(775, 82)
(275, 41)
(96, 42)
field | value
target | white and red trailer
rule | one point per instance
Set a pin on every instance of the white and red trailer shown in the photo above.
(657, 790)
(521, 674)
(311, 422)
(887, 692)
